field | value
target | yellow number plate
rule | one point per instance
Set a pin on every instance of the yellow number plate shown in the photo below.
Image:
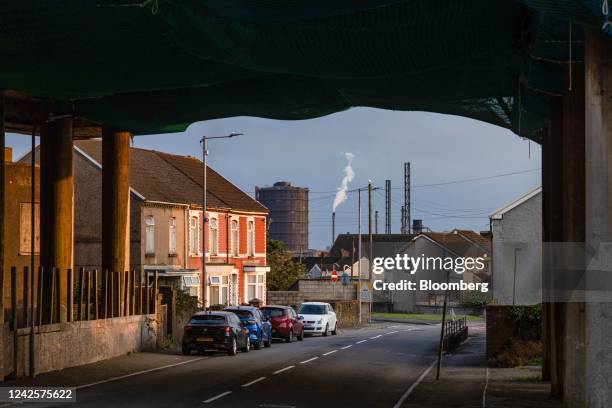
(205, 339)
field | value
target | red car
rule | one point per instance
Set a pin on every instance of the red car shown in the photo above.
(286, 324)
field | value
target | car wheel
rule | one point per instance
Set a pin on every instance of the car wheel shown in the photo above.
(257, 345)
(335, 331)
(326, 332)
(186, 351)
(289, 339)
(247, 346)
(301, 336)
(232, 350)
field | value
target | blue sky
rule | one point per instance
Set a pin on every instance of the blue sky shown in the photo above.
(310, 153)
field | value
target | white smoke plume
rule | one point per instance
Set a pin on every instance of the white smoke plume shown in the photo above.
(349, 174)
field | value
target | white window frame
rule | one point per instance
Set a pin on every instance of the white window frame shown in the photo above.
(213, 240)
(222, 283)
(194, 237)
(150, 235)
(250, 236)
(260, 286)
(172, 236)
(235, 239)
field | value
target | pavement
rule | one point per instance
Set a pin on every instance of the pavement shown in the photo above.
(466, 382)
(380, 365)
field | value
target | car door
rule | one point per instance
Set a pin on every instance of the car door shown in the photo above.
(239, 329)
(332, 317)
(266, 327)
(298, 326)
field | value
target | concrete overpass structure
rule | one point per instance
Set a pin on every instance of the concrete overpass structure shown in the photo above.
(542, 69)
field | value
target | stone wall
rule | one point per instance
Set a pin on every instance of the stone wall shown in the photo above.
(72, 344)
(342, 298)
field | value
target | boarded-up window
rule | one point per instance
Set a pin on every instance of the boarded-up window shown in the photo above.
(25, 228)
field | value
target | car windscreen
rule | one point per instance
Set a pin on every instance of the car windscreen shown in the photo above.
(207, 319)
(312, 309)
(271, 312)
(243, 314)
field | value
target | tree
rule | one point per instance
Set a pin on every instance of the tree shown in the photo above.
(284, 271)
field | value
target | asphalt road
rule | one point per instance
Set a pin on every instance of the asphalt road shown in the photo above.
(370, 367)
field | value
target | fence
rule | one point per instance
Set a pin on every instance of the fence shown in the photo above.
(455, 332)
(48, 296)
(38, 298)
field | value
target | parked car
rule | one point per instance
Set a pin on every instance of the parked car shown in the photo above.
(286, 324)
(260, 330)
(221, 331)
(318, 317)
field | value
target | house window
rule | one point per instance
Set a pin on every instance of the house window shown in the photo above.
(255, 287)
(234, 237)
(194, 236)
(150, 235)
(214, 236)
(172, 236)
(219, 290)
(191, 285)
(251, 238)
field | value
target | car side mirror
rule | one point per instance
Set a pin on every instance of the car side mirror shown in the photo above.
(300, 317)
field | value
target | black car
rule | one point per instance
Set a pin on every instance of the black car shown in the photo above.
(220, 331)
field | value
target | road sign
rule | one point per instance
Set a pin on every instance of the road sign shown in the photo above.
(334, 276)
(364, 293)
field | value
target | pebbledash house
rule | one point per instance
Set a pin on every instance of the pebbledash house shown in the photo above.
(166, 224)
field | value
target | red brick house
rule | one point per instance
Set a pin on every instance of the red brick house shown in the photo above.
(166, 224)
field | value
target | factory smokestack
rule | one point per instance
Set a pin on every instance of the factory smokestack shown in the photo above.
(333, 227)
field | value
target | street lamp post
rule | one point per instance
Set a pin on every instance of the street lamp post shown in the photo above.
(204, 142)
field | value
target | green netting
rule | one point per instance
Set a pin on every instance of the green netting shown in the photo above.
(159, 65)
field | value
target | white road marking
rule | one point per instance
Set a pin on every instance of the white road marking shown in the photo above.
(393, 332)
(345, 347)
(216, 397)
(329, 352)
(375, 337)
(283, 369)
(484, 392)
(253, 382)
(413, 386)
(121, 377)
(361, 341)
(309, 360)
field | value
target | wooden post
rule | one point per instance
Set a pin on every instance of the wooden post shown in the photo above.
(26, 296)
(106, 294)
(126, 291)
(32, 324)
(88, 295)
(95, 294)
(140, 293)
(70, 295)
(147, 293)
(39, 301)
(14, 318)
(116, 207)
(56, 211)
(81, 291)
(133, 292)
(2, 201)
(52, 295)
(155, 292)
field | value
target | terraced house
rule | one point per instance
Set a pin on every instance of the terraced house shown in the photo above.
(166, 224)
